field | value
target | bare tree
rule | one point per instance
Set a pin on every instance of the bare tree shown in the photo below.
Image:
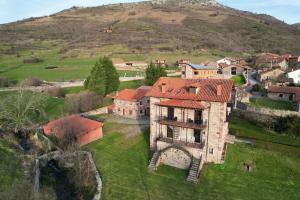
(21, 111)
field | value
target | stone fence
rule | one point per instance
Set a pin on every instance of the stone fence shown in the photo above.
(266, 111)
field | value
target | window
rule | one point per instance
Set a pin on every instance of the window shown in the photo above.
(183, 72)
(130, 112)
(141, 103)
(169, 132)
(148, 101)
(119, 109)
(281, 95)
(211, 150)
(196, 73)
(141, 111)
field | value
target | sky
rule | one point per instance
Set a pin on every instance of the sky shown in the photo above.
(13, 10)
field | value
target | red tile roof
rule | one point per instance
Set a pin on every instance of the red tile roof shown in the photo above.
(177, 88)
(183, 104)
(285, 90)
(132, 95)
(74, 123)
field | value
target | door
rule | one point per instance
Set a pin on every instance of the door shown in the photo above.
(197, 136)
(198, 117)
(170, 113)
(123, 112)
(169, 132)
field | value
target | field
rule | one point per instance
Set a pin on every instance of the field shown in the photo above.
(123, 160)
(10, 169)
(273, 104)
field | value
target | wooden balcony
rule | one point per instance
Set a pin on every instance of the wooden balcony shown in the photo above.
(189, 124)
(181, 142)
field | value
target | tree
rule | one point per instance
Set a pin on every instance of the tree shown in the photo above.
(153, 73)
(22, 111)
(103, 78)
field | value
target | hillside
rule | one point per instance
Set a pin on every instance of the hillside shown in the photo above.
(297, 25)
(144, 27)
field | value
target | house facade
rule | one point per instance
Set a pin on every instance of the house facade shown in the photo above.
(189, 122)
(193, 71)
(228, 71)
(269, 74)
(132, 103)
(82, 129)
(295, 75)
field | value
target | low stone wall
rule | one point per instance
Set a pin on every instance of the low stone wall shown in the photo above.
(266, 111)
(42, 161)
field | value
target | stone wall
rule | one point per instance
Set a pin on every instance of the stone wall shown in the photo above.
(175, 158)
(266, 111)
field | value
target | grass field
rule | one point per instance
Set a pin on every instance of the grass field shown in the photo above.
(123, 161)
(273, 104)
(238, 80)
(10, 168)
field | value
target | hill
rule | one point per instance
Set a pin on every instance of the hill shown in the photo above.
(297, 25)
(144, 27)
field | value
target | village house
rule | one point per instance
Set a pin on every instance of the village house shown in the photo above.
(227, 71)
(182, 62)
(294, 75)
(194, 71)
(189, 122)
(82, 129)
(161, 63)
(270, 60)
(132, 103)
(232, 61)
(269, 74)
(285, 93)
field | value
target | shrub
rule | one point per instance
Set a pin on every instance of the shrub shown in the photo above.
(6, 82)
(32, 60)
(51, 67)
(257, 88)
(289, 125)
(56, 91)
(83, 102)
(33, 81)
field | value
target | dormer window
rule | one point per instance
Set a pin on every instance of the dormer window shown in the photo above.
(193, 90)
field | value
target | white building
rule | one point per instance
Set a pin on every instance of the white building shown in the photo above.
(295, 75)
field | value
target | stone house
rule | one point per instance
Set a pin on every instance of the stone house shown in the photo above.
(227, 71)
(161, 63)
(132, 103)
(232, 61)
(193, 71)
(285, 93)
(269, 74)
(182, 62)
(189, 122)
(84, 130)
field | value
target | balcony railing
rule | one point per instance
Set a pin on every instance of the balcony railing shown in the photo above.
(183, 143)
(200, 124)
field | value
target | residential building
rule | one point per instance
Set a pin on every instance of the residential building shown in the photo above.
(182, 62)
(161, 63)
(270, 60)
(194, 71)
(295, 75)
(189, 122)
(227, 71)
(84, 130)
(269, 74)
(232, 61)
(132, 103)
(285, 93)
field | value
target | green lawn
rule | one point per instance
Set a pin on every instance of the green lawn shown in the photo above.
(238, 80)
(273, 104)
(123, 161)
(130, 84)
(10, 167)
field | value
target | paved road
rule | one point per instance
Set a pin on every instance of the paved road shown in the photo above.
(65, 84)
(251, 81)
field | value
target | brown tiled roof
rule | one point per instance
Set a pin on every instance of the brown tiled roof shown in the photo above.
(183, 104)
(177, 88)
(131, 94)
(270, 70)
(285, 90)
(74, 123)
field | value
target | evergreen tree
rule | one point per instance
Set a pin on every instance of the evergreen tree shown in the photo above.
(153, 73)
(103, 78)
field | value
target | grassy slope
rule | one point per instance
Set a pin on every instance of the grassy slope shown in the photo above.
(9, 166)
(269, 103)
(123, 164)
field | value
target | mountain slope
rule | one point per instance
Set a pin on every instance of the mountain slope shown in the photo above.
(145, 26)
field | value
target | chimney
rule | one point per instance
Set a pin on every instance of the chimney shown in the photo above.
(219, 90)
(163, 87)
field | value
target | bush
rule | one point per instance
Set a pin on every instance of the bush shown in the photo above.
(257, 88)
(6, 82)
(288, 125)
(33, 81)
(51, 67)
(56, 92)
(32, 60)
(83, 102)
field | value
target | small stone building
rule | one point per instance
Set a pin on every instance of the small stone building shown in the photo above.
(194, 71)
(132, 103)
(269, 74)
(189, 122)
(228, 71)
(84, 130)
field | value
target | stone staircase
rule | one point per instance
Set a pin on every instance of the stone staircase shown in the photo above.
(194, 171)
(153, 161)
(176, 133)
